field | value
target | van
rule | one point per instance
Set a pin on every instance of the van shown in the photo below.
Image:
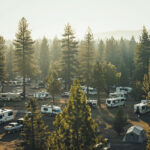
(115, 102)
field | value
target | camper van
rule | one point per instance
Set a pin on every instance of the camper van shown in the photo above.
(92, 103)
(10, 96)
(6, 115)
(42, 95)
(124, 90)
(117, 94)
(141, 108)
(114, 102)
(49, 109)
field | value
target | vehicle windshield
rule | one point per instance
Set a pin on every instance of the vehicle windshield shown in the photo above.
(108, 101)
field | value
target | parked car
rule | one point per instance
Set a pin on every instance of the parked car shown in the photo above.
(92, 103)
(13, 127)
(66, 94)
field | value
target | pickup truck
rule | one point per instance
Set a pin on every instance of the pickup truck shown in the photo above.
(12, 127)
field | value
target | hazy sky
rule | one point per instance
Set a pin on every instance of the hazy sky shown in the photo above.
(48, 17)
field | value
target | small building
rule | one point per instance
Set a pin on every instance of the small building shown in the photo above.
(135, 134)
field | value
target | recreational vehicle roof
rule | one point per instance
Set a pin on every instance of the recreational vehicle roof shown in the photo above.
(50, 106)
(136, 129)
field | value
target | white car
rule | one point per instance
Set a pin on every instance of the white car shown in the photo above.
(92, 103)
(13, 126)
(66, 94)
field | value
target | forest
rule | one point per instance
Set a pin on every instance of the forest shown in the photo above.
(101, 64)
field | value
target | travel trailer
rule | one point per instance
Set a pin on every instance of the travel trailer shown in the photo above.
(141, 108)
(92, 91)
(124, 90)
(92, 103)
(114, 102)
(49, 109)
(42, 95)
(10, 96)
(117, 94)
(6, 115)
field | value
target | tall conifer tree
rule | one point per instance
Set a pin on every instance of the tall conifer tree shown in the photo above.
(35, 133)
(44, 58)
(86, 58)
(142, 56)
(75, 128)
(69, 55)
(24, 53)
(2, 62)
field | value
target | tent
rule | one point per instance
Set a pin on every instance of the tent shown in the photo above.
(135, 134)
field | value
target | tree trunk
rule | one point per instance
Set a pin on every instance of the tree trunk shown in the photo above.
(98, 97)
(24, 88)
(2, 90)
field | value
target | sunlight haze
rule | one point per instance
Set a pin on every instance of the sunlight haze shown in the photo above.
(48, 17)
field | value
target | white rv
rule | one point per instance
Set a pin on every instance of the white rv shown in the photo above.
(92, 103)
(141, 108)
(124, 90)
(6, 115)
(114, 102)
(10, 96)
(42, 95)
(92, 91)
(117, 94)
(49, 109)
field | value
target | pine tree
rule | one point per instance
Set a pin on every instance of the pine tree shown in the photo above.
(75, 128)
(111, 51)
(35, 135)
(55, 50)
(54, 85)
(142, 56)
(10, 62)
(148, 141)
(86, 58)
(44, 58)
(101, 48)
(98, 80)
(119, 121)
(24, 53)
(2, 62)
(110, 72)
(69, 55)
(146, 85)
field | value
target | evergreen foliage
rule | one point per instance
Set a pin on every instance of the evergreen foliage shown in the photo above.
(2, 62)
(119, 121)
(98, 80)
(75, 128)
(35, 133)
(44, 58)
(69, 55)
(148, 141)
(55, 50)
(86, 59)
(54, 85)
(24, 53)
(142, 56)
